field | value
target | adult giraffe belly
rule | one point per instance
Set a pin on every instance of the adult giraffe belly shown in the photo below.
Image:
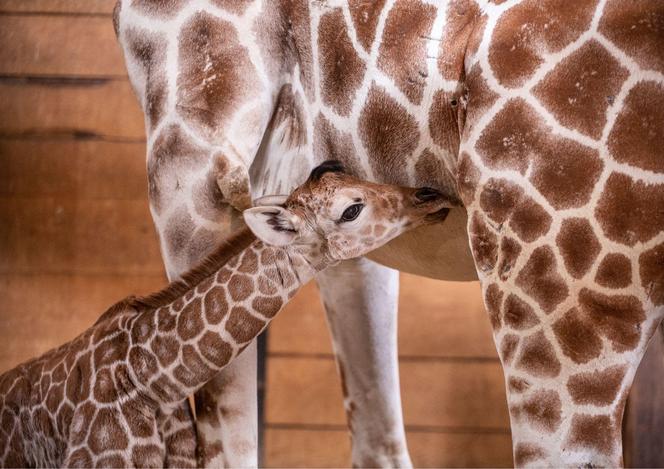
(439, 251)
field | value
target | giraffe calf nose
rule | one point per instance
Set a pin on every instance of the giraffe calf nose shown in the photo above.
(426, 194)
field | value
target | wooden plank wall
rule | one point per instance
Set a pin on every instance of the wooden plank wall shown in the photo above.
(76, 235)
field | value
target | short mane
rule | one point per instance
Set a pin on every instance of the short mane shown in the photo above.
(227, 249)
(329, 166)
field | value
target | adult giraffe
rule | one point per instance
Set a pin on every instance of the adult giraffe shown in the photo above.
(544, 117)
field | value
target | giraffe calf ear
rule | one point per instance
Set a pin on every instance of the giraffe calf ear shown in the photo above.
(273, 224)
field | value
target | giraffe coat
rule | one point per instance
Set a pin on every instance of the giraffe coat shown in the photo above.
(543, 116)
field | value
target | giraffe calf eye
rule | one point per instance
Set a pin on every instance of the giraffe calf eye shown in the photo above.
(352, 212)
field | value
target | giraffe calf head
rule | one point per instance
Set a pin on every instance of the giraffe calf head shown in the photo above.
(334, 216)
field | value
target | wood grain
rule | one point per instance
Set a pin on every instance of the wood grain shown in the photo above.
(72, 108)
(434, 393)
(329, 448)
(58, 6)
(55, 234)
(436, 319)
(59, 45)
(70, 168)
(41, 311)
(645, 409)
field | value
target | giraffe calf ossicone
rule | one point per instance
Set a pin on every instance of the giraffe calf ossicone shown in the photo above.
(103, 398)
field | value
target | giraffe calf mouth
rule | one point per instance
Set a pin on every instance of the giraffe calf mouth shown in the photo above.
(437, 216)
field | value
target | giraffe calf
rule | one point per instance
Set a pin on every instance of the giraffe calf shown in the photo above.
(103, 398)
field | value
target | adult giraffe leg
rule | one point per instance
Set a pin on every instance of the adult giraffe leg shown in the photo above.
(569, 348)
(363, 324)
(227, 415)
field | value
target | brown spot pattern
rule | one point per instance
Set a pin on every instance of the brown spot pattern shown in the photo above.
(538, 357)
(509, 255)
(341, 68)
(214, 73)
(467, 178)
(598, 388)
(651, 269)
(106, 432)
(518, 314)
(618, 317)
(483, 242)
(173, 153)
(636, 28)
(333, 144)
(214, 349)
(461, 18)
(578, 91)
(595, 432)
(445, 121)
(533, 26)
(365, 19)
(504, 201)
(562, 170)
(389, 134)
(480, 98)
(242, 325)
(578, 245)
(543, 409)
(577, 337)
(402, 53)
(508, 348)
(630, 211)
(525, 453)
(190, 323)
(638, 133)
(541, 281)
(615, 271)
(493, 299)
(159, 8)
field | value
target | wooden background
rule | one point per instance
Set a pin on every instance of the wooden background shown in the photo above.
(76, 235)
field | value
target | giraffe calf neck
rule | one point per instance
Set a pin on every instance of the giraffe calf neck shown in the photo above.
(103, 397)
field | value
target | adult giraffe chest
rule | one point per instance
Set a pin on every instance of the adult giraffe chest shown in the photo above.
(381, 90)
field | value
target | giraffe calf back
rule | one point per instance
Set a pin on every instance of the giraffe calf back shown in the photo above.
(78, 406)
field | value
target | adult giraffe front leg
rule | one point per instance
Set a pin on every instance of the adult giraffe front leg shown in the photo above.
(562, 173)
(363, 324)
(207, 91)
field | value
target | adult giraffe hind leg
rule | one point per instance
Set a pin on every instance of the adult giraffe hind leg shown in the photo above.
(561, 171)
(360, 299)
